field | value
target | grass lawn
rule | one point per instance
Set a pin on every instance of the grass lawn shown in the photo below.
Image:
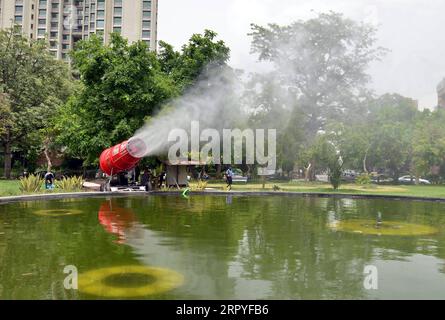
(437, 191)
(11, 188)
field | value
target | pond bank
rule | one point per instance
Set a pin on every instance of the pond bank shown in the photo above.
(37, 197)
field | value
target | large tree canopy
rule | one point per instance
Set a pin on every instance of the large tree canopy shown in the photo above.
(318, 77)
(322, 61)
(120, 84)
(201, 53)
(32, 85)
(124, 84)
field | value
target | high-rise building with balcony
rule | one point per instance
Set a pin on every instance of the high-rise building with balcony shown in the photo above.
(64, 22)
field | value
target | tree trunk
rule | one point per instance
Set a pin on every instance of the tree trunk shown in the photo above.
(8, 159)
(396, 176)
(218, 171)
(364, 161)
(8, 154)
(46, 152)
(307, 172)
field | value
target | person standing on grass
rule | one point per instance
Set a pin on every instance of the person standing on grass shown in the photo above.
(49, 180)
(229, 177)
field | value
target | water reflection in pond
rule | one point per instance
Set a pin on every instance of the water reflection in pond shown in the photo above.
(225, 248)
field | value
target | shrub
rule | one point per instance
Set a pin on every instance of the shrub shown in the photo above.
(30, 184)
(71, 184)
(201, 185)
(335, 176)
(363, 179)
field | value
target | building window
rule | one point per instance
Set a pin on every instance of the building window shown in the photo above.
(117, 29)
(42, 22)
(101, 4)
(146, 14)
(145, 34)
(100, 14)
(118, 3)
(100, 24)
(41, 32)
(18, 9)
(146, 24)
(18, 19)
(146, 5)
(118, 11)
(42, 13)
(117, 21)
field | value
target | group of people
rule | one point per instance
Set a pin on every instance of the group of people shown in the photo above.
(146, 178)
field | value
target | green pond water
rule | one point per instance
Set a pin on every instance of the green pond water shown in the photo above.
(222, 247)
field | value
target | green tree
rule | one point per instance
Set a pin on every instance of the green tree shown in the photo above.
(428, 144)
(393, 118)
(202, 53)
(380, 139)
(325, 152)
(33, 83)
(322, 64)
(322, 61)
(271, 107)
(121, 84)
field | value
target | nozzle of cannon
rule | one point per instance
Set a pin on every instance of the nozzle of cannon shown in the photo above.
(122, 157)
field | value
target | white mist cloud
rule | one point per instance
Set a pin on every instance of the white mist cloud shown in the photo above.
(412, 29)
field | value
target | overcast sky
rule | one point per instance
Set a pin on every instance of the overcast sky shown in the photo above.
(414, 31)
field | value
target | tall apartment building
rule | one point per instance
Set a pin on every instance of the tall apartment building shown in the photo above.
(64, 22)
(441, 94)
